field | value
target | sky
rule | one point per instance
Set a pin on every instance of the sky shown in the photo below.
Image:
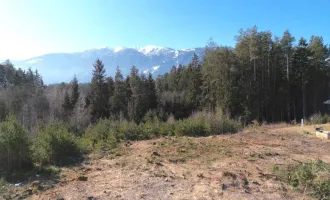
(35, 27)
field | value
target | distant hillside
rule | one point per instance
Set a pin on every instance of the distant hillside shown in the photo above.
(59, 67)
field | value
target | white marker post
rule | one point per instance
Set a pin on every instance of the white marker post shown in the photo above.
(302, 124)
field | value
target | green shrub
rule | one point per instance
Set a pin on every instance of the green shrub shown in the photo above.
(151, 128)
(318, 119)
(85, 145)
(106, 133)
(166, 129)
(132, 131)
(312, 176)
(103, 135)
(189, 127)
(55, 145)
(14, 146)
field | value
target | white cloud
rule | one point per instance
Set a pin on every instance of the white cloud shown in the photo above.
(151, 70)
(33, 61)
(155, 68)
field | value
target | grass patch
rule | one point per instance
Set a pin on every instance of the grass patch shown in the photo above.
(182, 149)
(5, 186)
(311, 178)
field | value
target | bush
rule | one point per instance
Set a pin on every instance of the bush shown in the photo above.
(14, 146)
(312, 176)
(190, 127)
(151, 127)
(216, 123)
(106, 133)
(318, 119)
(54, 144)
(166, 129)
(103, 135)
(132, 131)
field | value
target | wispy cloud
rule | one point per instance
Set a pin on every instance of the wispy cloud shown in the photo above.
(155, 68)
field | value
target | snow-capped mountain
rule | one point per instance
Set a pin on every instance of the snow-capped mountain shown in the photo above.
(61, 67)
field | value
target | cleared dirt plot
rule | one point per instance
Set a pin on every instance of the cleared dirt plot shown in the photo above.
(237, 166)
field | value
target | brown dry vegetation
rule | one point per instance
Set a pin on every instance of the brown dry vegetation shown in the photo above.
(237, 166)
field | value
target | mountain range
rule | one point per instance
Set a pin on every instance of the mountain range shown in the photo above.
(61, 67)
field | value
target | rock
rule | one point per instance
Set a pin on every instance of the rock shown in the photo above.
(82, 178)
(224, 186)
(18, 184)
(201, 175)
(90, 198)
(28, 192)
(156, 154)
(35, 184)
(247, 191)
(256, 182)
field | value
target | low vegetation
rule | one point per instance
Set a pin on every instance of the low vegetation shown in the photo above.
(183, 149)
(311, 178)
(318, 119)
(14, 146)
(54, 144)
(107, 133)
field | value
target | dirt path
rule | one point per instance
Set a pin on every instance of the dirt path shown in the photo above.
(221, 167)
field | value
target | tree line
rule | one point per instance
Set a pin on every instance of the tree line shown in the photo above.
(263, 77)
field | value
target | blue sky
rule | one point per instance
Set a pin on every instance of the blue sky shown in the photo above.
(34, 27)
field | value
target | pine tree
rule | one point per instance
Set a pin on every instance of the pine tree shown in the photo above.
(75, 91)
(301, 68)
(67, 106)
(152, 94)
(193, 82)
(135, 100)
(111, 85)
(119, 99)
(99, 93)
(319, 73)
(287, 48)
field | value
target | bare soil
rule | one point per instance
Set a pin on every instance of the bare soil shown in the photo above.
(235, 166)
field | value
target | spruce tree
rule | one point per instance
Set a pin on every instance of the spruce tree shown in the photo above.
(301, 68)
(75, 91)
(135, 102)
(152, 94)
(67, 106)
(119, 100)
(99, 93)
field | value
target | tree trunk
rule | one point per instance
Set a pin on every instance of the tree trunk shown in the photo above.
(288, 79)
(304, 99)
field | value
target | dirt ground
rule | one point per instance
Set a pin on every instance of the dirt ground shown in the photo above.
(235, 166)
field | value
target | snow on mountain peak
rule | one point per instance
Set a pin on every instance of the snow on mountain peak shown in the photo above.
(117, 49)
(151, 50)
(190, 49)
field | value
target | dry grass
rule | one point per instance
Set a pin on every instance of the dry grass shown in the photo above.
(237, 166)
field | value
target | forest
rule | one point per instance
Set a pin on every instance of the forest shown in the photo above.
(263, 78)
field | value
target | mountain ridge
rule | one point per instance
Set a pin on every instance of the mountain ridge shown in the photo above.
(61, 67)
